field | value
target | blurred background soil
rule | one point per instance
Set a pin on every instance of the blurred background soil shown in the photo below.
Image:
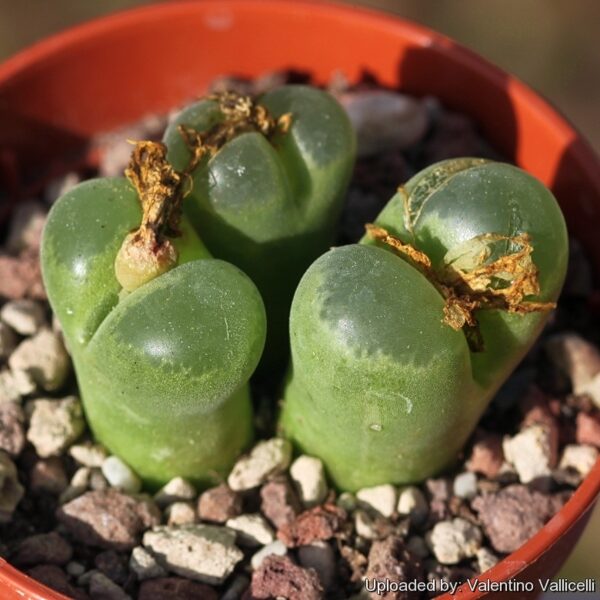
(552, 45)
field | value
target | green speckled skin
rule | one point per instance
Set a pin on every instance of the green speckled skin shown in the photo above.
(380, 388)
(162, 371)
(270, 207)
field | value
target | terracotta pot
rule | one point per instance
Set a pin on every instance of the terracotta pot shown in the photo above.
(109, 72)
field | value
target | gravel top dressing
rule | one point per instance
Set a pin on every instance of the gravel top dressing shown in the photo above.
(76, 519)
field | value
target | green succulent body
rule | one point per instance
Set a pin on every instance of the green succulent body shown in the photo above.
(269, 205)
(381, 389)
(163, 370)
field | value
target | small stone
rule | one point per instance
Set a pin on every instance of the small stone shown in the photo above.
(417, 545)
(486, 455)
(108, 519)
(514, 514)
(25, 317)
(175, 588)
(580, 458)
(84, 580)
(384, 120)
(486, 559)
(97, 480)
(26, 226)
(88, 454)
(452, 541)
(277, 548)
(9, 389)
(181, 513)
(218, 504)
(320, 557)
(365, 525)
(465, 485)
(235, 590)
(49, 548)
(102, 588)
(55, 578)
(70, 493)
(120, 476)
(55, 425)
(309, 476)
(48, 476)
(81, 478)
(75, 569)
(390, 560)
(346, 501)
(318, 523)
(21, 276)
(412, 504)
(279, 577)
(532, 452)
(11, 491)
(8, 341)
(382, 499)
(205, 553)
(266, 459)
(144, 565)
(12, 434)
(22, 382)
(579, 360)
(279, 502)
(176, 490)
(251, 530)
(113, 565)
(588, 429)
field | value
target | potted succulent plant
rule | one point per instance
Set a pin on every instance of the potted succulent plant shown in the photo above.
(59, 93)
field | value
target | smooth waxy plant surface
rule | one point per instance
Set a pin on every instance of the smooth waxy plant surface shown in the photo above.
(164, 337)
(268, 189)
(399, 342)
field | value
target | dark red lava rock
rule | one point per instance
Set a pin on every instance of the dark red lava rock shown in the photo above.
(279, 502)
(49, 548)
(21, 276)
(279, 577)
(588, 429)
(108, 519)
(514, 514)
(318, 523)
(218, 504)
(486, 455)
(54, 577)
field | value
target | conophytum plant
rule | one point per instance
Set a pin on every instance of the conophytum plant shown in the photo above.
(269, 186)
(399, 342)
(163, 337)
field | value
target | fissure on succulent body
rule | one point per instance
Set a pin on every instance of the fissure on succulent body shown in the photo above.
(399, 342)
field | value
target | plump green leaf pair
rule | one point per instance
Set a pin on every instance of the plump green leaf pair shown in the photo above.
(381, 388)
(163, 371)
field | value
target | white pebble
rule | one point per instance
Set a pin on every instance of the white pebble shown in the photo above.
(412, 504)
(251, 530)
(9, 391)
(277, 548)
(120, 476)
(486, 559)
(44, 358)
(176, 490)
(11, 491)
(181, 513)
(54, 425)
(81, 478)
(452, 541)
(265, 460)
(530, 452)
(381, 498)
(364, 525)
(579, 457)
(24, 316)
(8, 341)
(206, 553)
(384, 120)
(309, 476)
(319, 556)
(88, 454)
(144, 565)
(465, 485)
(22, 382)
